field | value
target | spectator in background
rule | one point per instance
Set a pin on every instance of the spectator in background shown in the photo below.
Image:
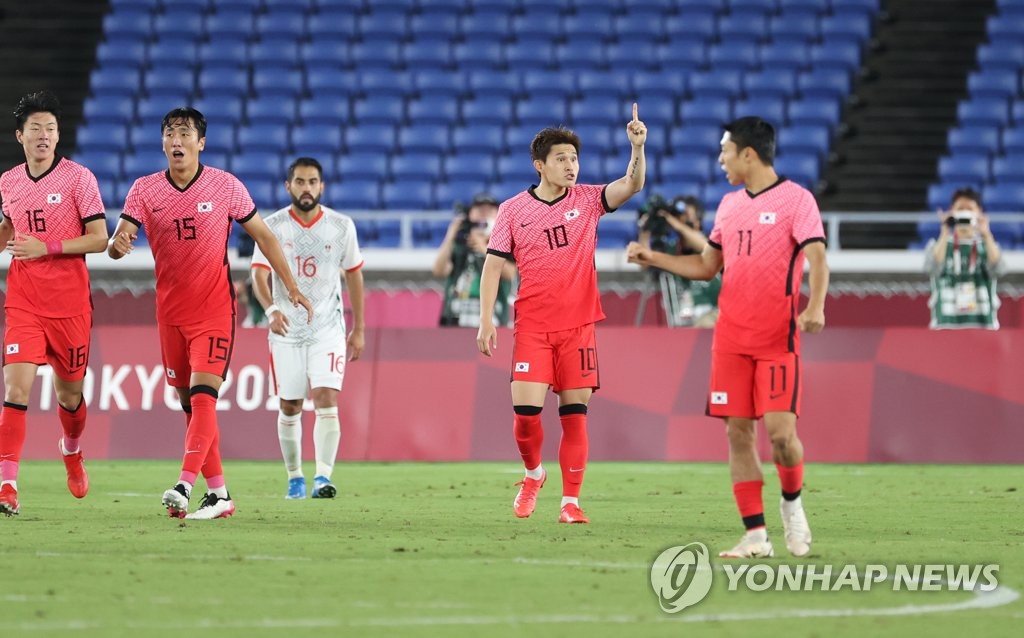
(963, 263)
(460, 260)
(685, 302)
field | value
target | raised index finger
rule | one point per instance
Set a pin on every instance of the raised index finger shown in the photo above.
(635, 118)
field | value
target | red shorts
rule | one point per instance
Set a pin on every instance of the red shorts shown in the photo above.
(197, 347)
(748, 386)
(61, 342)
(565, 360)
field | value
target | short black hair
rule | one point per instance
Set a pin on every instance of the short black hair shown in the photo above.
(756, 133)
(305, 161)
(542, 142)
(185, 113)
(966, 193)
(38, 102)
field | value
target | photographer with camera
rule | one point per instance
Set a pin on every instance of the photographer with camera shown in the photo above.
(460, 259)
(964, 263)
(676, 228)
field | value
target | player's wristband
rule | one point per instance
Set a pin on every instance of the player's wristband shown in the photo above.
(54, 247)
(271, 310)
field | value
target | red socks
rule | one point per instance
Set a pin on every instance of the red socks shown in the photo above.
(572, 451)
(12, 439)
(73, 424)
(202, 429)
(792, 480)
(749, 502)
(529, 433)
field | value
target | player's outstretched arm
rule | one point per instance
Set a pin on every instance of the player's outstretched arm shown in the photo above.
(276, 319)
(812, 319)
(703, 266)
(271, 249)
(94, 240)
(490, 278)
(121, 243)
(618, 192)
(357, 336)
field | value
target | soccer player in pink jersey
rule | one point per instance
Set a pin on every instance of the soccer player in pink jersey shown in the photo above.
(550, 231)
(52, 217)
(187, 211)
(760, 237)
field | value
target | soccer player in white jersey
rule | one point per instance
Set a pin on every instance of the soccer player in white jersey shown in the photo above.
(322, 245)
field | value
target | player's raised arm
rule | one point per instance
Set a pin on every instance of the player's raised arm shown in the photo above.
(271, 249)
(619, 191)
(121, 243)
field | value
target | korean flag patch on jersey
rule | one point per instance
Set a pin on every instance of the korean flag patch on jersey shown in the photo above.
(204, 207)
(719, 398)
(572, 214)
(767, 218)
(522, 366)
(53, 198)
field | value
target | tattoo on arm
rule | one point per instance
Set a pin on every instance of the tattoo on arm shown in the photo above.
(632, 170)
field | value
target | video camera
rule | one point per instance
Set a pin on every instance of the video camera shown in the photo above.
(654, 223)
(961, 218)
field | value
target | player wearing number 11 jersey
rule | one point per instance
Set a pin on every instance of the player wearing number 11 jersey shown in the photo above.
(550, 231)
(187, 212)
(52, 217)
(322, 246)
(761, 236)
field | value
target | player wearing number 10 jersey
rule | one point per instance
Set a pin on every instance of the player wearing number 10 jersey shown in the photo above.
(52, 217)
(322, 245)
(761, 235)
(550, 231)
(187, 212)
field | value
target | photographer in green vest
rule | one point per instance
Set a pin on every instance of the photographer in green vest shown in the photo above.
(964, 262)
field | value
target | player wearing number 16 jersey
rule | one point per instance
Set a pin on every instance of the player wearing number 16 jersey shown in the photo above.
(550, 231)
(322, 246)
(187, 212)
(52, 217)
(761, 236)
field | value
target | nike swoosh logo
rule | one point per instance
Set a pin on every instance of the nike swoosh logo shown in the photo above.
(576, 469)
(522, 225)
(586, 374)
(214, 360)
(775, 396)
(157, 210)
(192, 451)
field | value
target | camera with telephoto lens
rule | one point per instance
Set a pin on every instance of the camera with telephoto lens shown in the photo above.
(655, 224)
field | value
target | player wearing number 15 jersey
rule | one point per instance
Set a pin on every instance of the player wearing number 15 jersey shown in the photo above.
(761, 236)
(322, 245)
(187, 212)
(550, 231)
(52, 217)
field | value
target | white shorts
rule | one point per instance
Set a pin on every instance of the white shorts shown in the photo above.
(294, 369)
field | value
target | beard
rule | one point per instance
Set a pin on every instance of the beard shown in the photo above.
(305, 207)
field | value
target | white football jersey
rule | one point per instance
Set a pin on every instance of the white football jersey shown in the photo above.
(319, 255)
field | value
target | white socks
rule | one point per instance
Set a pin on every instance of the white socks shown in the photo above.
(326, 438)
(536, 473)
(570, 499)
(289, 433)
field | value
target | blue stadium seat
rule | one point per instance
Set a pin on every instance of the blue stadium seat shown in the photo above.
(106, 166)
(493, 85)
(316, 139)
(656, 112)
(514, 167)
(264, 193)
(667, 84)
(114, 81)
(324, 55)
(809, 138)
(387, 83)
(470, 165)
(362, 165)
(188, 24)
(598, 139)
(143, 136)
(360, 194)
(647, 24)
(221, 110)
(124, 54)
(435, 22)
(144, 163)
(430, 82)
(525, 24)
(382, 25)
(640, 54)
(379, 109)
(794, 26)
(541, 111)
(332, 112)
(387, 233)
(263, 136)
(1004, 198)
(695, 138)
(964, 167)
(434, 109)
(737, 27)
(992, 111)
(685, 167)
(223, 81)
(331, 83)
(484, 25)
(719, 82)
(278, 82)
(257, 164)
(332, 23)
(611, 84)
(371, 137)
(977, 139)
(782, 56)
(532, 55)
(426, 138)
(772, 109)
(418, 166)
(841, 56)
(131, 24)
(700, 22)
(815, 110)
(940, 194)
(427, 54)
(600, 23)
(487, 109)
(738, 56)
(998, 82)
(713, 109)
(1002, 54)
(550, 84)
(518, 139)
(1008, 168)
(814, 6)
(407, 195)
(614, 231)
(102, 137)
(1006, 27)
(596, 109)
(479, 137)
(113, 109)
(850, 26)
(274, 53)
(505, 190)
(234, 24)
(274, 109)
(369, 55)
(170, 51)
(150, 112)
(824, 83)
(681, 53)
(1012, 140)
(769, 83)
(220, 139)
(281, 25)
(223, 53)
(446, 194)
(802, 168)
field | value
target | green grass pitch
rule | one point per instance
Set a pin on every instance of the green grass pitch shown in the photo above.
(417, 549)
